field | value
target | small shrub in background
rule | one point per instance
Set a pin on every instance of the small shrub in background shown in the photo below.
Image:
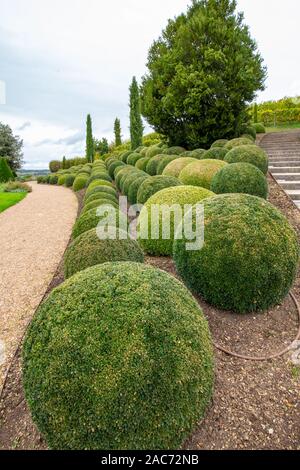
(17, 187)
(153, 184)
(69, 180)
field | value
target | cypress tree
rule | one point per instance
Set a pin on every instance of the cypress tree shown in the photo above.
(5, 172)
(64, 163)
(117, 130)
(136, 123)
(89, 140)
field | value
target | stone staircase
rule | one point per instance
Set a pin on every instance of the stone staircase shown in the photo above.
(283, 149)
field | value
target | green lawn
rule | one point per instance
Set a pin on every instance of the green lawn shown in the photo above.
(284, 127)
(9, 199)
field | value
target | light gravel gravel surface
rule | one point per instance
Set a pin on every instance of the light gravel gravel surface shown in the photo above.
(33, 237)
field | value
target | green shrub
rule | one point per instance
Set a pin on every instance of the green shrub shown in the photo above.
(118, 357)
(173, 151)
(197, 153)
(249, 154)
(260, 128)
(179, 195)
(174, 168)
(165, 162)
(96, 184)
(88, 250)
(120, 174)
(153, 163)
(201, 173)
(80, 182)
(130, 178)
(90, 220)
(53, 179)
(101, 195)
(61, 180)
(238, 142)
(216, 153)
(250, 256)
(152, 151)
(17, 187)
(142, 163)
(154, 184)
(5, 172)
(240, 178)
(100, 201)
(220, 143)
(69, 180)
(249, 130)
(133, 158)
(113, 165)
(100, 190)
(134, 187)
(99, 176)
(125, 155)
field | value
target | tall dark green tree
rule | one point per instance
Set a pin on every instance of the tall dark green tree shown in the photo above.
(89, 140)
(64, 164)
(5, 171)
(136, 123)
(11, 147)
(203, 72)
(255, 113)
(117, 130)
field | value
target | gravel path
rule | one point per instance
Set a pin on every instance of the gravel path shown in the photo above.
(33, 237)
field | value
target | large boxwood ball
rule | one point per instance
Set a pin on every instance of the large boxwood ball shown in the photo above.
(249, 130)
(80, 182)
(152, 151)
(100, 195)
(250, 256)
(201, 173)
(88, 250)
(179, 195)
(249, 154)
(260, 128)
(142, 163)
(113, 165)
(121, 174)
(134, 188)
(164, 162)
(197, 153)
(91, 220)
(130, 178)
(240, 178)
(153, 163)
(153, 184)
(173, 151)
(101, 189)
(216, 153)
(97, 203)
(176, 166)
(237, 142)
(119, 357)
(133, 158)
(219, 143)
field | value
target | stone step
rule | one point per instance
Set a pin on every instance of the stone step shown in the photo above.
(284, 169)
(294, 194)
(290, 185)
(282, 177)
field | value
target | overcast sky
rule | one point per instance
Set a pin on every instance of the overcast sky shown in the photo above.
(62, 59)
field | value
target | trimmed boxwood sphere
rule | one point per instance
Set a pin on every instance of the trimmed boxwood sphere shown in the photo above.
(179, 195)
(61, 180)
(101, 195)
(197, 153)
(249, 130)
(240, 178)
(201, 173)
(129, 175)
(165, 162)
(88, 250)
(125, 155)
(53, 179)
(130, 178)
(153, 163)
(175, 167)
(260, 128)
(133, 158)
(238, 142)
(119, 357)
(219, 143)
(99, 176)
(90, 220)
(79, 183)
(134, 187)
(97, 203)
(154, 184)
(69, 180)
(113, 166)
(120, 174)
(101, 189)
(249, 154)
(173, 151)
(152, 151)
(250, 256)
(216, 153)
(141, 164)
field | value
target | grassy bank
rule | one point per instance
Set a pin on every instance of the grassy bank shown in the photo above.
(9, 199)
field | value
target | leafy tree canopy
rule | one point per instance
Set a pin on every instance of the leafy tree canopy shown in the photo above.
(11, 147)
(203, 71)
